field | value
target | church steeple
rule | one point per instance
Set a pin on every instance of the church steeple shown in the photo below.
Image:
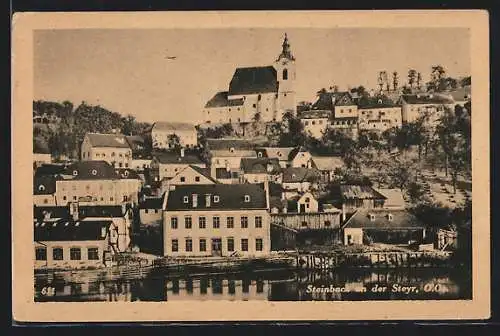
(285, 51)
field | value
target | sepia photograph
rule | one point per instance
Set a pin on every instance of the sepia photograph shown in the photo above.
(254, 162)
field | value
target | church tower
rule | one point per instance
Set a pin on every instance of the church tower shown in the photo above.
(285, 72)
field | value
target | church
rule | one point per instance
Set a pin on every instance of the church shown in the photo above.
(265, 91)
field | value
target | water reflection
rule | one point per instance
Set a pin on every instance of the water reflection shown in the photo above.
(355, 285)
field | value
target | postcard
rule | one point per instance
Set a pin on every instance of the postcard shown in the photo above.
(250, 166)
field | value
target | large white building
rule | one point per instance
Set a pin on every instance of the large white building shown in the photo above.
(428, 106)
(112, 148)
(162, 134)
(265, 90)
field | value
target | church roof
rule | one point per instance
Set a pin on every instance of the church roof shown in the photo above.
(253, 80)
(220, 100)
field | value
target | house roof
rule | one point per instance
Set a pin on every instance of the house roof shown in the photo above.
(328, 100)
(50, 169)
(152, 203)
(327, 162)
(260, 165)
(349, 191)
(394, 198)
(44, 185)
(220, 100)
(277, 202)
(127, 173)
(400, 219)
(376, 104)
(108, 140)
(227, 144)
(205, 172)
(316, 114)
(91, 170)
(293, 153)
(426, 99)
(69, 230)
(231, 197)
(299, 174)
(114, 211)
(253, 80)
(172, 157)
(280, 153)
(136, 142)
(460, 94)
(173, 126)
(275, 189)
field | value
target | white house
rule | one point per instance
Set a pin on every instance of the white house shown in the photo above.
(112, 148)
(315, 122)
(428, 106)
(379, 116)
(260, 170)
(282, 154)
(162, 132)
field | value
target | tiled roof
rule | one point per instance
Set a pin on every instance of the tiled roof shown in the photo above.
(227, 144)
(114, 211)
(348, 191)
(173, 126)
(108, 140)
(220, 100)
(231, 197)
(299, 174)
(253, 80)
(400, 219)
(316, 114)
(44, 185)
(327, 162)
(280, 153)
(152, 203)
(328, 100)
(175, 157)
(260, 165)
(394, 198)
(293, 153)
(68, 230)
(50, 169)
(91, 170)
(375, 104)
(426, 99)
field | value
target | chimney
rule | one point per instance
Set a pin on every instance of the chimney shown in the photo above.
(343, 213)
(195, 200)
(208, 200)
(182, 152)
(74, 210)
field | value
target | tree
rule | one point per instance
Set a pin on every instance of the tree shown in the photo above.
(128, 125)
(412, 75)
(395, 80)
(293, 132)
(401, 172)
(419, 80)
(173, 141)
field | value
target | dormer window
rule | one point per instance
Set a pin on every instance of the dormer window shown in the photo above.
(75, 172)
(186, 199)
(231, 149)
(216, 199)
(279, 154)
(259, 154)
(125, 173)
(94, 172)
(372, 217)
(247, 198)
(41, 188)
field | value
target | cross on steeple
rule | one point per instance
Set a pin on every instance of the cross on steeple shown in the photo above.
(285, 51)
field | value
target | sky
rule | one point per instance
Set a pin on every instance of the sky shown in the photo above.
(127, 71)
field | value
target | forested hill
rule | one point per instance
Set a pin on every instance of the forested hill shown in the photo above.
(65, 125)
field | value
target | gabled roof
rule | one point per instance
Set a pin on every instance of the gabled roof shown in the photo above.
(91, 170)
(69, 230)
(44, 185)
(220, 100)
(260, 165)
(231, 197)
(299, 174)
(253, 80)
(316, 114)
(328, 100)
(173, 126)
(349, 191)
(172, 157)
(400, 219)
(227, 144)
(294, 152)
(426, 99)
(280, 153)
(394, 198)
(203, 171)
(107, 140)
(323, 162)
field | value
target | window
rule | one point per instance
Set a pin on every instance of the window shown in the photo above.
(120, 155)
(202, 222)
(259, 244)
(197, 179)
(320, 122)
(84, 155)
(306, 123)
(259, 97)
(113, 154)
(156, 211)
(41, 253)
(254, 106)
(57, 253)
(120, 165)
(328, 223)
(186, 199)
(189, 245)
(93, 253)
(230, 222)
(285, 74)
(74, 198)
(175, 245)
(146, 210)
(304, 224)
(244, 222)
(216, 199)
(313, 122)
(126, 166)
(125, 198)
(258, 221)
(41, 188)
(75, 253)
(97, 155)
(111, 199)
(183, 179)
(188, 222)
(230, 244)
(64, 198)
(45, 201)
(216, 222)
(173, 222)
(247, 198)
(203, 245)
(244, 244)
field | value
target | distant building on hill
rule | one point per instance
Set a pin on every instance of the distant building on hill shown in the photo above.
(162, 134)
(112, 148)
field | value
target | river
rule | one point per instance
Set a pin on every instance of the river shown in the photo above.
(336, 285)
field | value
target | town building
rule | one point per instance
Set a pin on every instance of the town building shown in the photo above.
(394, 198)
(460, 96)
(151, 212)
(344, 108)
(379, 116)
(428, 106)
(383, 226)
(190, 175)
(225, 157)
(353, 197)
(112, 148)
(141, 159)
(44, 190)
(282, 154)
(327, 165)
(41, 158)
(165, 165)
(299, 180)
(97, 183)
(300, 157)
(169, 135)
(260, 170)
(265, 90)
(217, 220)
(315, 122)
